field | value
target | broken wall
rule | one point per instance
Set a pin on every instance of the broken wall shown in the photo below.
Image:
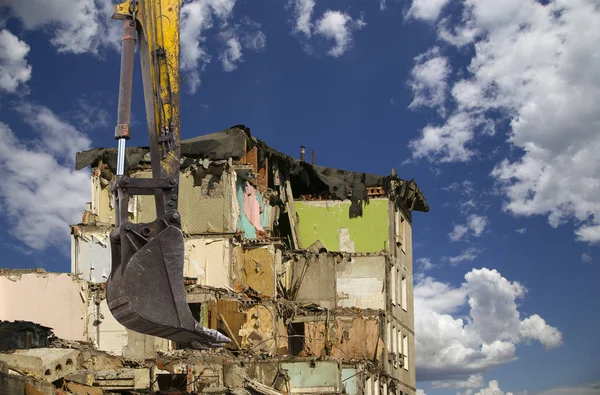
(55, 300)
(341, 335)
(204, 201)
(90, 253)
(360, 282)
(256, 267)
(329, 221)
(208, 260)
(340, 280)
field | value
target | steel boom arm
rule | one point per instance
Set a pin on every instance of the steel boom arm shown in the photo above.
(145, 290)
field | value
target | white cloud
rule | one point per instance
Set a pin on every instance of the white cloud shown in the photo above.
(586, 258)
(232, 54)
(199, 16)
(477, 224)
(58, 138)
(470, 254)
(451, 346)
(303, 10)
(448, 142)
(458, 232)
(425, 264)
(473, 381)
(474, 226)
(77, 27)
(428, 81)
(465, 188)
(40, 193)
(338, 26)
(332, 25)
(534, 68)
(521, 230)
(428, 10)
(382, 5)
(493, 388)
(421, 392)
(14, 70)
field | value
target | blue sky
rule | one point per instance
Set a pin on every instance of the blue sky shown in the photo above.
(491, 105)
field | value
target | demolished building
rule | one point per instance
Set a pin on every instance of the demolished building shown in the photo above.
(307, 269)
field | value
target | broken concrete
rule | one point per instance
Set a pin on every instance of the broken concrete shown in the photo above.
(49, 364)
(23, 334)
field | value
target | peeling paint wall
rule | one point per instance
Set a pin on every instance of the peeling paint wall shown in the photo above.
(315, 377)
(264, 331)
(90, 254)
(349, 280)
(315, 278)
(349, 338)
(360, 282)
(101, 205)
(257, 269)
(105, 331)
(329, 221)
(208, 260)
(203, 204)
(58, 301)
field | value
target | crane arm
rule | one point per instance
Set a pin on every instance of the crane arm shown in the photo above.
(145, 290)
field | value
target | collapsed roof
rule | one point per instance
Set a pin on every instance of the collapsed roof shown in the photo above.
(305, 178)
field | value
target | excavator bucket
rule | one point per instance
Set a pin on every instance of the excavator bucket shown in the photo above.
(146, 293)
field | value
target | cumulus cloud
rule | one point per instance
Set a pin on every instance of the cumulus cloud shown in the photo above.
(470, 254)
(333, 25)
(493, 388)
(474, 226)
(464, 331)
(428, 81)
(427, 10)
(199, 16)
(338, 26)
(521, 231)
(533, 68)
(14, 70)
(40, 193)
(303, 10)
(425, 264)
(76, 27)
(473, 381)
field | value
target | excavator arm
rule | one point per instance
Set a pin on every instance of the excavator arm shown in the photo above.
(145, 290)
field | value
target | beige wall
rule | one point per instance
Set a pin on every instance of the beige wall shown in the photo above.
(55, 300)
(208, 260)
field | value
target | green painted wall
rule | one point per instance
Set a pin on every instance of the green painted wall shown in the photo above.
(328, 221)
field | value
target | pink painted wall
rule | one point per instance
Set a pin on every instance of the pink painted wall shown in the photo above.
(55, 300)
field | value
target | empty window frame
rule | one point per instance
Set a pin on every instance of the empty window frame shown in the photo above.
(404, 294)
(393, 285)
(405, 351)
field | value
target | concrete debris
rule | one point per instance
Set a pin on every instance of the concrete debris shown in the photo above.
(23, 334)
(49, 364)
